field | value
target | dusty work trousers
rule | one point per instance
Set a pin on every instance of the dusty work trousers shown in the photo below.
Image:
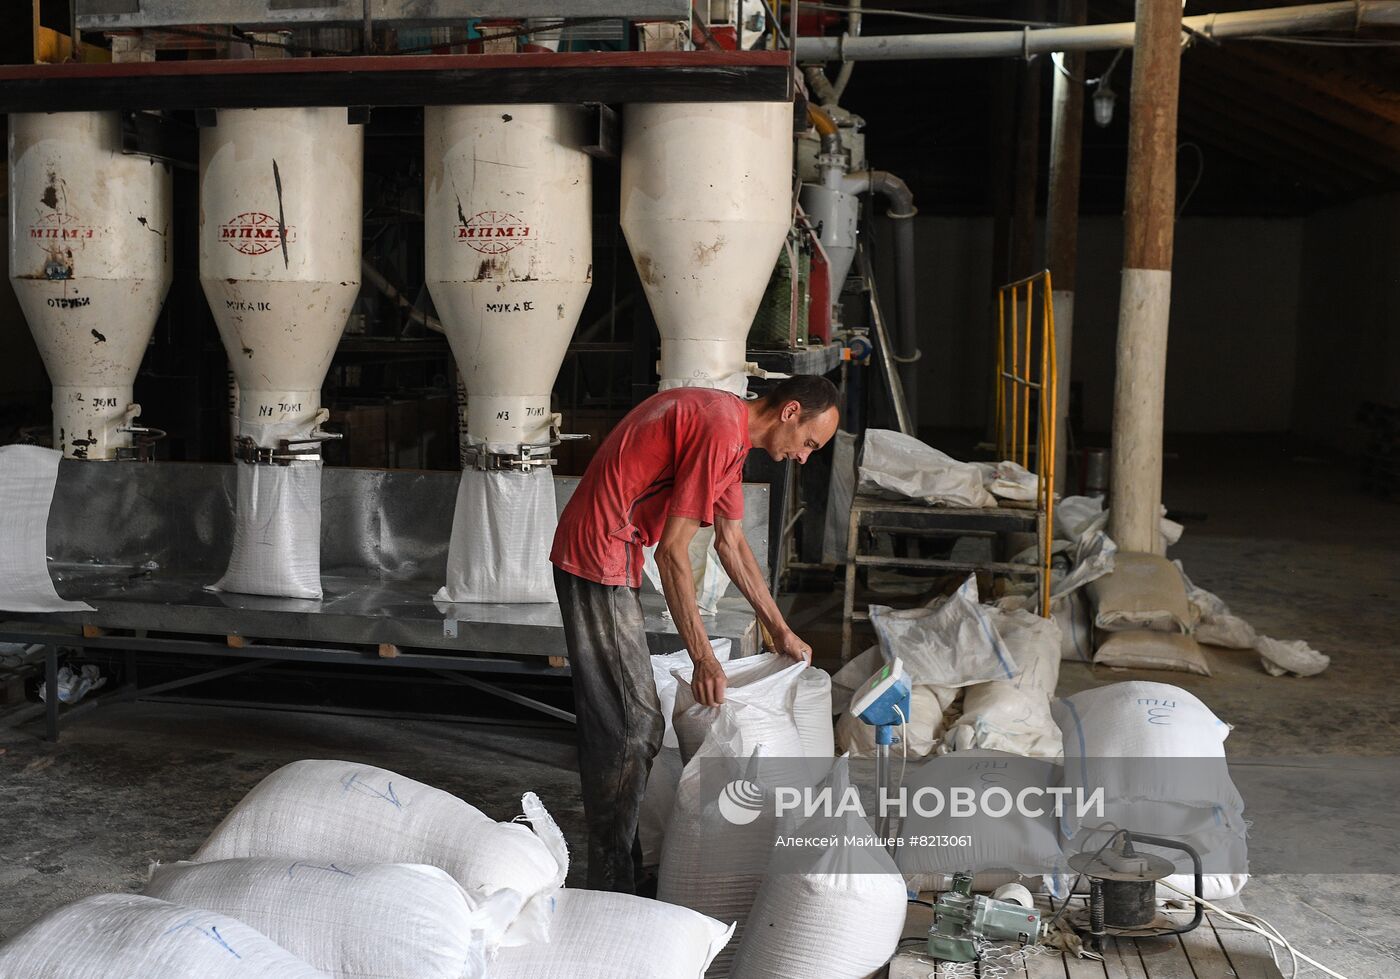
(619, 721)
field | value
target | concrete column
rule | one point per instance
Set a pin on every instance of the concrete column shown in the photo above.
(1062, 221)
(1148, 227)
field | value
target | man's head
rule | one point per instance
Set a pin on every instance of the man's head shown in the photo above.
(797, 417)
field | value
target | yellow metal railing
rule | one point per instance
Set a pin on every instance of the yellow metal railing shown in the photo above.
(1017, 383)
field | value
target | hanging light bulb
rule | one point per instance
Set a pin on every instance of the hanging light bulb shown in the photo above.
(1104, 99)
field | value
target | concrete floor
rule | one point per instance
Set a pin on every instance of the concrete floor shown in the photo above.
(1288, 543)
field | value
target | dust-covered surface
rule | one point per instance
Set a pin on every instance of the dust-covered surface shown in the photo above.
(137, 783)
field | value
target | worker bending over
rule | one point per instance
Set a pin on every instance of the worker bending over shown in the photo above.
(674, 464)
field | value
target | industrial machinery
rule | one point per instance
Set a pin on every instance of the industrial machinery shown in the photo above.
(1123, 888)
(90, 231)
(963, 920)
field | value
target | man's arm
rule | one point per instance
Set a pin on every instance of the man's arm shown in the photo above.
(742, 567)
(673, 561)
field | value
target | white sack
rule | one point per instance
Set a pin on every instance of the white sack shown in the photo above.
(1007, 480)
(896, 465)
(660, 794)
(1075, 514)
(1215, 624)
(387, 920)
(1016, 843)
(839, 918)
(950, 642)
(1070, 614)
(664, 667)
(502, 530)
(598, 935)
(1148, 650)
(276, 532)
(1145, 591)
(127, 936)
(708, 863)
(851, 677)
(707, 572)
(1280, 656)
(1095, 555)
(1143, 721)
(836, 533)
(1002, 717)
(764, 684)
(326, 811)
(658, 802)
(811, 712)
(28, 475)
(1034, 645)
(925, 723)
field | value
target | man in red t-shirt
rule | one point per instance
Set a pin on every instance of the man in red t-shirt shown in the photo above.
(672, 466)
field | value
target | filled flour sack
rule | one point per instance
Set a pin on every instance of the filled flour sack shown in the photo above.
(392, 921)
(710, 863)
(835, 912)
(951, 642)
(1005, 836)
(600, 935)
(896, 465)
(1034, 645)
(1001, 716)
(1144, 591)
(764, 683)
(666, 767)
(1149, 650)
(128, 936)
(811, 712)
(502, 530)
(1158, 753)
(276, 532)
(342, 811)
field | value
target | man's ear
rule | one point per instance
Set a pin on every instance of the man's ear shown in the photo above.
(790, 411)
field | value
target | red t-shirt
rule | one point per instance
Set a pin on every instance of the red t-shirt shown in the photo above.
(678, 453)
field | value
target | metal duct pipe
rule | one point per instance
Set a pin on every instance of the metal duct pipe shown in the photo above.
(1345, 15)
(901, 210)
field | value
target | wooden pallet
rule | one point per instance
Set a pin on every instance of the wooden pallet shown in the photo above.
(1217, 949)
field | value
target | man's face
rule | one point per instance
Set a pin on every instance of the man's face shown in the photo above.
(795, 437)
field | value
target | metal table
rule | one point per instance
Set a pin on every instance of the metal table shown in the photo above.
(140, 542)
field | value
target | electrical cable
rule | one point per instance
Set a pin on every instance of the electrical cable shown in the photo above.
(1200, 172)
(1277, 939)
(903, 746)
(1078, 877)
(1320, 42)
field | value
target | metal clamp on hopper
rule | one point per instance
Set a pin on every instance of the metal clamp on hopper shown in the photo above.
(288, 450)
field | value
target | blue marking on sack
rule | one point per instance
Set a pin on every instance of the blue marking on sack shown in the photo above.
(330, 868)
(212, 933)
(352, 781)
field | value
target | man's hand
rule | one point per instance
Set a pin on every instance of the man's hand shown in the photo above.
(788, 644)
(708, 682)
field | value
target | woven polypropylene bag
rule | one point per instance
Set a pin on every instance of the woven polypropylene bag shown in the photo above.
(1149, 650)
(764, 683)
(277, 532)
(839, 917)
(327, 810)
(383, 920)
(502, 529)
(599, 935)
(811, 712)
(128, 936)
(1144, 591)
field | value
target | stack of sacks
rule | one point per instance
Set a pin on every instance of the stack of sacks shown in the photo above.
(1016, 846)
(1158, 753)
(1143, 617)
(1014, 715)
(710, 863)
(599, 935)
(348, 919)
(666, 767)
(127, 936)
(326, 812)
(835, 912)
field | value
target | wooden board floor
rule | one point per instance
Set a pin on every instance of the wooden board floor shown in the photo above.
(1216, 949)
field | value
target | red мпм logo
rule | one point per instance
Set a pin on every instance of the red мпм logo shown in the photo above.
(494, 232)
(58, 226)
(254, 233)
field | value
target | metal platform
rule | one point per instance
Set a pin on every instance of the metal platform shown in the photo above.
(140, 542)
